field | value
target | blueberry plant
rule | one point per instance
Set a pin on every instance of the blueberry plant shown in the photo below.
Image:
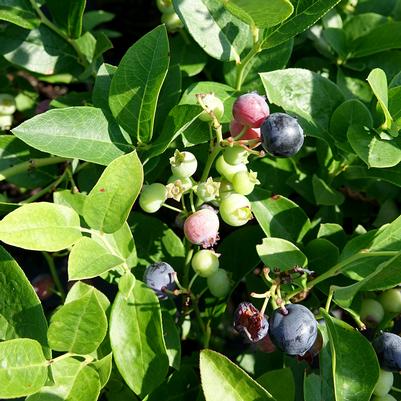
(215, 216)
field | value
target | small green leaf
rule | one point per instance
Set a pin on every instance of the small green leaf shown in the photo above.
(73, 380)
(74, 200)
(260, 13)
(18, 12)
(109, 202)
(80, 290)
(279, 216)
(136, 84)
(172, 340)
(126, 284)
(88, 259)
(350, 350)
(223, 380)
(273, 381)
(23, 369)
(378, 82)
(373, 150)
(41, 226)
(78, 326)
(103, 368)
(281, 254)
(77, 132)
(101, 88)
(324, 194)
(217, 31)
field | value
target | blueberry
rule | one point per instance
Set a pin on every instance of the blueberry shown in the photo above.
(282, 136)
(295, 332)
(388, 350)
(158, 276)
(250, 322)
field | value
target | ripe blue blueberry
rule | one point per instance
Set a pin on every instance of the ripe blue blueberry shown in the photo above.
(159, 276)
(388, 350)
(295, 332)
(250, 322)
(282, 136)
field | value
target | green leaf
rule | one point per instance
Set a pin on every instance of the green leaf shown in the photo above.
(38, 50)
(88, 259)
(80, 290)
(279, 216)
(352, 111)
(94, 18)
(23, 368)
(77, 132)
(172, 340)
(41, 226)
(307, 95)
(101, 88)
(137, 340)
(391, 174)
(108, 204)
(68, 15)
(394, 105)
(73, 380)
(217, 31)
(306, 13)
(21, 312)
(273, 381)
(362, 24)
(324, 194)
(136, 84)
(381, 38)
(312, 387)
(378, 82)
(103, 368)
(281, 254)
(260, 13)
(373, 150)
(350, 350)
(74, 200)
(126, 284)
(78, 326)
(223, 380)
(18, 12)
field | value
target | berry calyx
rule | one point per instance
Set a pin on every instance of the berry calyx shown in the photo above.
(391, 300)
(371, 312)
(159, 276)
(235, 155)
(282, 136)
(249, 322)
(388, 350)
(183, 164)
(219, 283)
(244, 182)
(202, 228)
(228, 170)
(176, 187)
(205, 262)
(212, 106)
(235, 210)
(250, 109)
(295, 332)
(251, 133)
(208, 191)
(152, 197)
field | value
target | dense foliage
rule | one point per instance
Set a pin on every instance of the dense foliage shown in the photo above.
(217, 217)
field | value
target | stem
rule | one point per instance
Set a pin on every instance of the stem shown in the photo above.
(172, 208)
(29, 165)
(191, 283)
(337, 269)
(215, 152)
(187, 264)
(329, 298)
(54, 274)
(199, 319)
(81, 57)
(241, 67)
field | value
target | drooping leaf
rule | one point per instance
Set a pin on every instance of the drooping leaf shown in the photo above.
(324, 194)
(217, 31)
(108, 204)
(21, 312)
(137, 340)
(41, 226)
(136, 84)
(350, 350)
(223, 380)
(273, 381)
(77, 132)
(23, 369)
(18, 12)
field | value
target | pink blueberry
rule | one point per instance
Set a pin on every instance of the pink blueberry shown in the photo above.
(202, 228)
(250, 109)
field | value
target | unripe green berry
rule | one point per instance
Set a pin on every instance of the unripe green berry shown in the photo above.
(152, 197)
(235, 155)
(384, 383)
(228, 170)
(235, 210)
(205, 262)
(391, 300)
(208, 191)
(183, 164)
(226, 189)
(371, 312)
(7, 104)
(5, 122)
(219, 283)
(387, 397)
(165, 6)
(244, 182)
(172, 22)
(212, 104)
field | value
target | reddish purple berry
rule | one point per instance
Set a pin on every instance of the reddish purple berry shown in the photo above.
(250, 322)
(43, 285)
(251, 109)
(251, 133)
(202, 228)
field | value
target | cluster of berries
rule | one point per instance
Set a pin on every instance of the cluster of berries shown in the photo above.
(7, 109)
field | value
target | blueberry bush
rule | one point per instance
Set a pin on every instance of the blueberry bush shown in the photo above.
(214, 215)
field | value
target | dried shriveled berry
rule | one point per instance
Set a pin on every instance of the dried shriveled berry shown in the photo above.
(249, 322)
